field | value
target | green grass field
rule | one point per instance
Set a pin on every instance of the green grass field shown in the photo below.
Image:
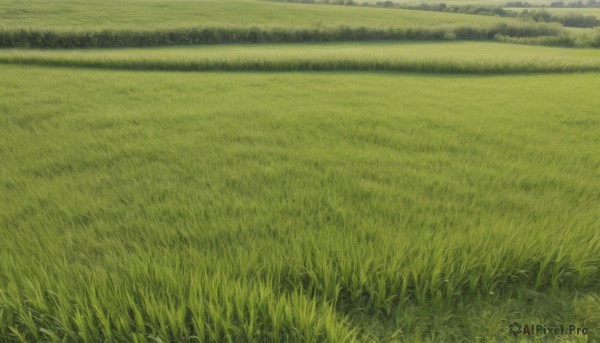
(367, 191)
(296, 206)
(120, 14)
(447, 57)
(138, 23)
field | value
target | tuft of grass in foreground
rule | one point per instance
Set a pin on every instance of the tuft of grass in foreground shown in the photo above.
(275, 207)
(439, 57)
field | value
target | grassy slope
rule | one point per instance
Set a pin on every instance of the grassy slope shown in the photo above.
(470, 57)
(296, 205)
(98, 14)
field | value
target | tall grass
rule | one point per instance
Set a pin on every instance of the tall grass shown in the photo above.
(433, 65)
(445, 57)
(36, 38)
(299, 207)
(590, 39)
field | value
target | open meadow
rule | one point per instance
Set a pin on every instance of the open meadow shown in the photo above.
(414, 189)
(123, 14)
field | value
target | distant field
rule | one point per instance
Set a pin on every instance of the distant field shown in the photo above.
(499, 3)
(296, 207)
(465, 57)
(496, 3)
(98, 14)
(564, 11)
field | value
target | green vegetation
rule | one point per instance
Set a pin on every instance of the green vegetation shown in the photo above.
(538, 15)
(307, 207)
(569, 19)
(438, 57)
(260, 201)
(565, 40)
(212, 35)
(94, 15)
(556, 4)
(564, 11)
(135, 23)
(78, 24)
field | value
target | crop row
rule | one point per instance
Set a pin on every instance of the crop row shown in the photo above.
(40, 38)
(502, 65)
